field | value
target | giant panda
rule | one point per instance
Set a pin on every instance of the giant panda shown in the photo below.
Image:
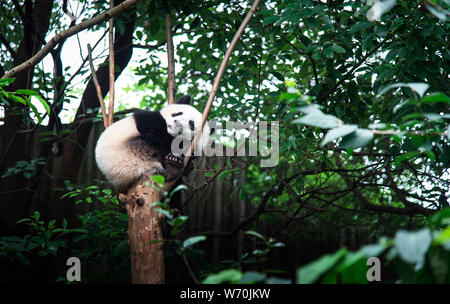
(140, 144)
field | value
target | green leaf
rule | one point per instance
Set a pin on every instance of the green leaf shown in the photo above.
(27, 92)
(315, 55)
(178, 188)
(338, 132)
(320, 120)
(269, 20)
(313, 109)
(406, 156)
(254, 233)
(328, 52)
(278, 75)
(353, 268)
(367, 41)
(311, 272)
(412, 246)
(275, 280)
(251, 277)
(372, 250)
(6, 81)
(154, 27)
(381, 31)
(35, 111)
(419, 87)
(359, 138)
(159, 179)
(232, 80)
(44, 103)
(338, 49)
(165, 213)
(193, 240)
(439, 265)
(229, 275)
(15, 98)
(360, 26)
(438, 12)
(179, 221)
(433, 116)
(435, 98)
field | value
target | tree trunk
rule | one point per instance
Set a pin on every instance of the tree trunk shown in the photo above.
(75, 143)
(145, 234)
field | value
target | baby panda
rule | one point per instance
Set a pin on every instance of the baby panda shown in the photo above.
(141, 144)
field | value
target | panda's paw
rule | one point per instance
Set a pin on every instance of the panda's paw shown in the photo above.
(175, 160)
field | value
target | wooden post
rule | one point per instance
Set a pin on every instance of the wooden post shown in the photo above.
(145, 234)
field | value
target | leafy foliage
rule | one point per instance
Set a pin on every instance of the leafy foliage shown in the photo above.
(416, 256)
(46, 239)
(361, 93)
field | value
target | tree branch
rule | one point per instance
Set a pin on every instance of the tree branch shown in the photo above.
(111, 70)
(97, 88)
(67, 33)
(171, 86)
(219, 75)
(7, 46)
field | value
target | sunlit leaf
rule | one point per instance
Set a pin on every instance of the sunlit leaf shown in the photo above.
(229, 275)
(412, 246)
(359, 138)
(311, 272)
(336, 133)
(193, 240)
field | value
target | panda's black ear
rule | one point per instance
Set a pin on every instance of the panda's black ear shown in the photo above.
(186, 99)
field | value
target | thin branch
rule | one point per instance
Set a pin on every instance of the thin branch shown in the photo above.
(85, 59)
(171, 87)
(219, 75)
(20, 12)
(7, 46)
(205, 184)
(67, 33)
(111, 70)
(97, 87)
(188, 266)
(313, 64)
(148, 47)
(366, 204)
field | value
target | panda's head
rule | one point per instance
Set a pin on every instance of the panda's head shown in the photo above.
(184, 121)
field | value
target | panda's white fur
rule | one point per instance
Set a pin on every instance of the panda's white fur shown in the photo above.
(123, 163)
(179, 125)
(114, 158)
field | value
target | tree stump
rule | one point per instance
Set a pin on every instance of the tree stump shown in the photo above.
(145, 234)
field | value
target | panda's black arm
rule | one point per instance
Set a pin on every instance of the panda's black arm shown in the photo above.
(153, 129)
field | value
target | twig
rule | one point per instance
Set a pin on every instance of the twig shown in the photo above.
(7, 46)
(219, 75)
(171, 88)
(67, 33)
(313, 64)
(204, 184)
(188, 266)
(111, 70)
(97, 87)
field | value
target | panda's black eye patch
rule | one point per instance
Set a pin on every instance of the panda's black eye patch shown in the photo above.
(191, 125)
(177, 114)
